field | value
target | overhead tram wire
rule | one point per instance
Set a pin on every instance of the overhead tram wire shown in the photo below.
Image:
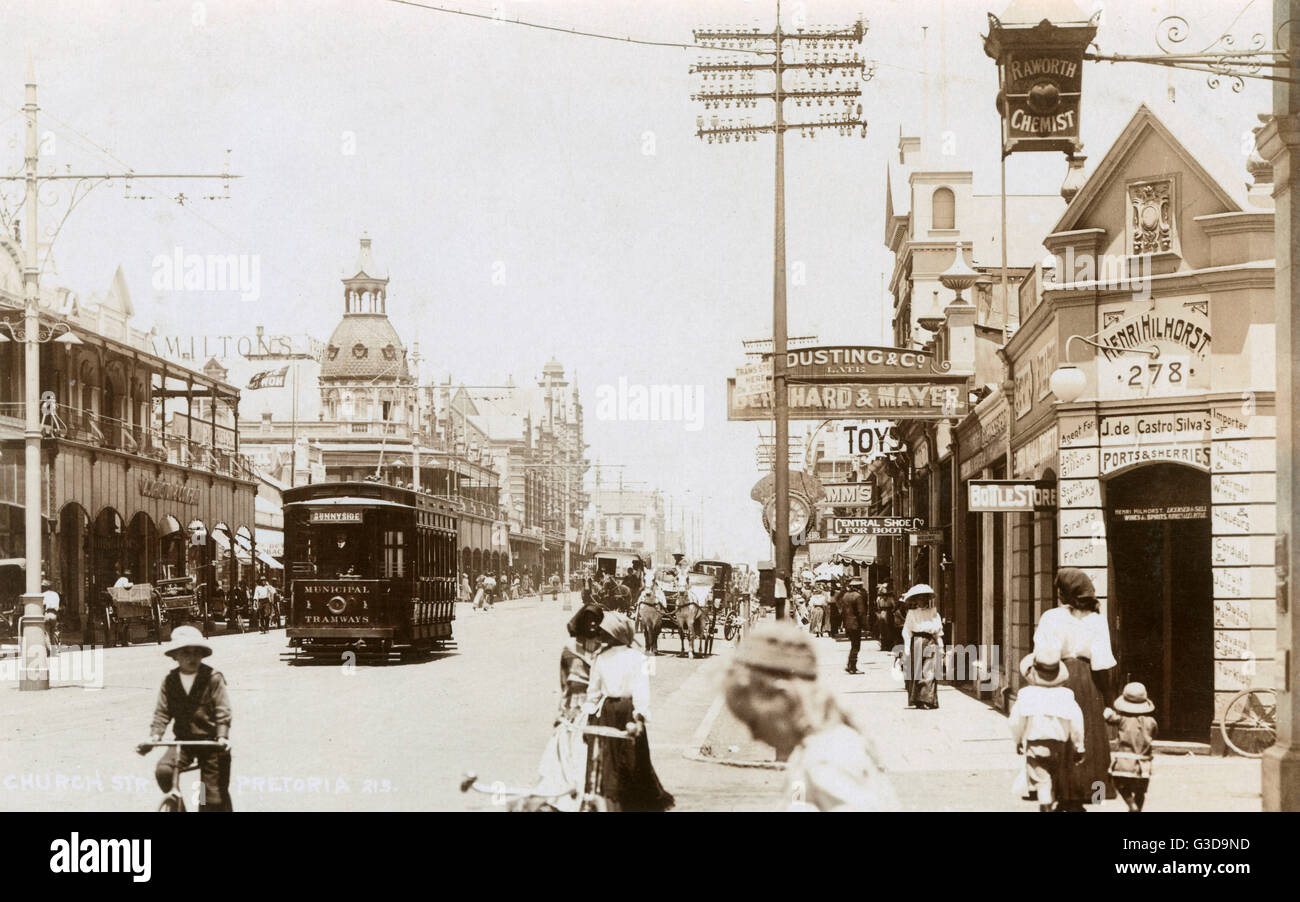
(622, 39)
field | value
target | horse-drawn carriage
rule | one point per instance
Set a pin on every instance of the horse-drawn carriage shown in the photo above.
(157, 607)
(692, 608)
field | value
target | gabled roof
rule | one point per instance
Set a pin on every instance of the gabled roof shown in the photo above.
(119, 296)
(1203, 160)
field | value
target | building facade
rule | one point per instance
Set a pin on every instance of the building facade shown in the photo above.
(142, 470)
(1161, 303)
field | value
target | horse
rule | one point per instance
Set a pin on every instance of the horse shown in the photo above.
(692, 620)
(650, 617)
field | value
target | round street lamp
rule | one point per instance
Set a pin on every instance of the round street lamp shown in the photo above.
(1068, 383)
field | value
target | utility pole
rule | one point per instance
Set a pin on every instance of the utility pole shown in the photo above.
(34, 660)
(816, 54)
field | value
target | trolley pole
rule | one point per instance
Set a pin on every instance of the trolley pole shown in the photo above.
(816, 53)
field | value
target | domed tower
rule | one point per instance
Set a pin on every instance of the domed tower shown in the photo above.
(364, 376)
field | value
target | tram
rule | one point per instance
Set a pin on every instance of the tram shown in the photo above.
(371, 568)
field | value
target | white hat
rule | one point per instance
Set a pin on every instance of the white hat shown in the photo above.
(918, 589)
(187, 637)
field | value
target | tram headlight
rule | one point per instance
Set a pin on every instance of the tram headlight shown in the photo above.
(337, 605)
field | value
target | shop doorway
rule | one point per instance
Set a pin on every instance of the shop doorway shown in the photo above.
(1162, 606)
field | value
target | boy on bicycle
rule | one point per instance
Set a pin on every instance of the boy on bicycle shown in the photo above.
(194, 696)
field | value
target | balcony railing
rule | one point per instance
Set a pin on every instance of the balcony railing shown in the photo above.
(86, 427)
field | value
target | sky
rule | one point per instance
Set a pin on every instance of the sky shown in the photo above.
(534, 194)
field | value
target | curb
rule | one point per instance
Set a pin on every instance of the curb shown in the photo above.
(695, 749)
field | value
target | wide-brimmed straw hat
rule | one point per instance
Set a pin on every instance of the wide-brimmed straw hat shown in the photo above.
(917, 590)
(1134, 700)
(779, 648)
(1043, 668)
(187, 637)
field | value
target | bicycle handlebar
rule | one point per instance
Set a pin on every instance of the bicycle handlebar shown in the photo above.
(185, 743)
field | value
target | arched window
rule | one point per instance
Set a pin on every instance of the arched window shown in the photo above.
(943, 209)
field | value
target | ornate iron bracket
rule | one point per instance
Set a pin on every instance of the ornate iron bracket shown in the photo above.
(1219, 59)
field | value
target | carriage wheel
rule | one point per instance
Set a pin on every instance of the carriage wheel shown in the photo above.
(108, 627)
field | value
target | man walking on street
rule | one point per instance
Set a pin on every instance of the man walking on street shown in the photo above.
(853, 608)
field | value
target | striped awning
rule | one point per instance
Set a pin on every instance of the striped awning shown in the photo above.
(858, 550)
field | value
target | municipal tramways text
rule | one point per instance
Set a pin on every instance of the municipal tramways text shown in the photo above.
(372, 570)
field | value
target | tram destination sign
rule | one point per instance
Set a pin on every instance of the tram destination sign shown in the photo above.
(876, 526)
(336, 516)
(938, 397)
(998, 496)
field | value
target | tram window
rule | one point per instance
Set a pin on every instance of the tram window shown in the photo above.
(393, 563)
(341, 551)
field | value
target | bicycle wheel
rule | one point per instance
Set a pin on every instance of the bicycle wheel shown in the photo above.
(1249, 724)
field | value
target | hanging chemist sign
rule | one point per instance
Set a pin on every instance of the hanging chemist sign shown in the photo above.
(1040, 74)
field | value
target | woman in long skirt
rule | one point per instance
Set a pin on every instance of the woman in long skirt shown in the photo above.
(923, 647)
(1076, 631)
(618, 696)
(562, 770)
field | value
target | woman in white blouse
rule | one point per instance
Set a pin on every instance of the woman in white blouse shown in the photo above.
(618, 696)
(1079, 635)
(922, 647)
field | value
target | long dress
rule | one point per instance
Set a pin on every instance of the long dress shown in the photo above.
(1084, 646)
(619, 689)
(922, 635)
(564, 760)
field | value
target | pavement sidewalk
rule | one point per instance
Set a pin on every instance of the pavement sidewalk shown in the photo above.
(960, 757)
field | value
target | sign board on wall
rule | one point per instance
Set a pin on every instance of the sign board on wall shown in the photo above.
(1178, 327)
(1010, 496)
(939, 397)
(876, 526)
(848, 494)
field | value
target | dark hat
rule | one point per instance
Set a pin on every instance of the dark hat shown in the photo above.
(1075, 586)
(586, 623)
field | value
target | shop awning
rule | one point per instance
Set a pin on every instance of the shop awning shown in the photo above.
(270, 541)
(822, 552)
(243, 552)
(858, 550)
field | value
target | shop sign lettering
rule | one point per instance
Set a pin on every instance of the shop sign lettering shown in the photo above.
(1117, 458)
(168, 491)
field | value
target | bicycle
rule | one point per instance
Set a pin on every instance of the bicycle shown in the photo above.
(173, 800)
(588, 799)
(1249, 722)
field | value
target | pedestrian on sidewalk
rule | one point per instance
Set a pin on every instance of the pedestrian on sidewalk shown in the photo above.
(922, 648)
(194, 699)
(618, 695)
(1130, 762)
(834, 612)
(262, 604)
(480, 595)
(817, 609)
(885, 629)
(780, 593)
(853, 606)
(771, 686)
(1078, 634)
(1045, 722)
